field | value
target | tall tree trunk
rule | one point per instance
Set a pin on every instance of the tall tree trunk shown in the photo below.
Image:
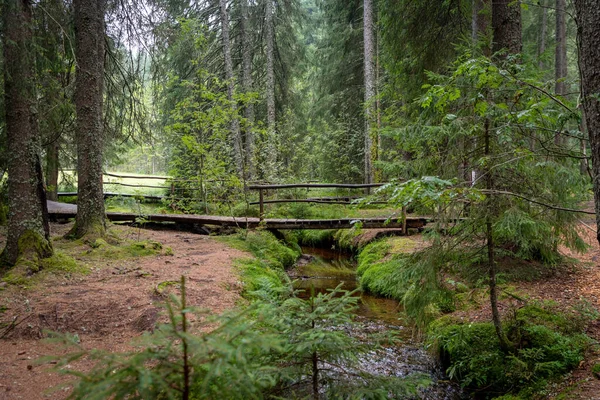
(52, 153)
(236, 134)
(271, 121)
(89, 131)
(369, 78)
(480, 22)
(588, 41)
(560, 59)
(543, 21)
(247, 84)
(28, 230)
(506, 24)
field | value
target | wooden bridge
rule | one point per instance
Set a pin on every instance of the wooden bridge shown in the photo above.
(64, 211)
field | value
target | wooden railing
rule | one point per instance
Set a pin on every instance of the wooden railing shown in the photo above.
(320, 200)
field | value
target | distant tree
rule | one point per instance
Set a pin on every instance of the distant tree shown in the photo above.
(588, 39)
(236, 136)
(28, 233)
(560, 63)
(369, 67)
(270, 86)
(247, 82)
(89, 53)
(506, 24)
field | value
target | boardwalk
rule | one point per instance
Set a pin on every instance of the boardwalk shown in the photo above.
(63, 210)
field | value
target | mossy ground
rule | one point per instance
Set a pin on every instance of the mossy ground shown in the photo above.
(77, 257)
(264, 275)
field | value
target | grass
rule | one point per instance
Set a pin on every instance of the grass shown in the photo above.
(264, 275)
(68, 181)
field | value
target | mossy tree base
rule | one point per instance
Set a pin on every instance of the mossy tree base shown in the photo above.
(32, 249)
(90, 231)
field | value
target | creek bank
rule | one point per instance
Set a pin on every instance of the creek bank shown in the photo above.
(319, 270)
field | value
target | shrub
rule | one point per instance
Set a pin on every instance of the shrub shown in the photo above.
(472, 354)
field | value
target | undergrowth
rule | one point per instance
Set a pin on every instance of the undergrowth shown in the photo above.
(549, 344)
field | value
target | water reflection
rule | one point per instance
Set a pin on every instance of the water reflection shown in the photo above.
(323, 269)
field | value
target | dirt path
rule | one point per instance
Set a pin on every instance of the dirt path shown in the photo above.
(109, 307)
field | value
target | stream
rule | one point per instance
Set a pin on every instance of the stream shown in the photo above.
(324, 269)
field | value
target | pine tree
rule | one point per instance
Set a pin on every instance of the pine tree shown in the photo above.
(28, 233)
(89, 53)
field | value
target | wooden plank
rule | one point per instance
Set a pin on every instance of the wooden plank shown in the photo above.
(112, 194)
(62, 210)
(316, 185)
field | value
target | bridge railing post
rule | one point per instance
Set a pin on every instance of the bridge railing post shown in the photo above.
(262, 204)
(404, 224)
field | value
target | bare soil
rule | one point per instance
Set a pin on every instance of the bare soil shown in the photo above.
(118, 301)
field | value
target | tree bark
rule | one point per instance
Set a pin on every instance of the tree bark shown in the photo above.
(28, 231)
(506, 24)
(236, 135)
(89, 131)
(588, 43)
(560, 59)
(271, 120)
(369, 78)
(543, 20)
(480, 22)
(52, 153)
(247, 85)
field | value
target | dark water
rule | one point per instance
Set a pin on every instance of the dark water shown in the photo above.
(320, 270)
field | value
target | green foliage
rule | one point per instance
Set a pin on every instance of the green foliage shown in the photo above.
(596, 370)
(263, 276)
(228, 361)
(289, 348)
(546, 349)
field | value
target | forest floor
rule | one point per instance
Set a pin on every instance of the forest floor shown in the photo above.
(107, 308)
(119, 299)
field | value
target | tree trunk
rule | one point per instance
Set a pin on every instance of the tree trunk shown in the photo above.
(506, 24)
(271, 121)
(560, 55)
(236, 134)
(588, 40)
(28, 231)
(480, 22)
(89, 131)
(247, 84)
(369, 86)
(543, 20)
(52, 152)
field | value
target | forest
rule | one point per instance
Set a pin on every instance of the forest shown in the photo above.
(289, 199)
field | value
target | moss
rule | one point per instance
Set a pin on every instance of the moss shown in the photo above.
(263, 276)
(260, 280)
(319, 268)
(596, 370)
(402, 244)
(168, 251)
(163, 286)
(472, 354)
(101, 249)
(384, 279)
(315, 237)
(265, 246)
(63, 263)
(28, 272)
(33, 246)
(372, 254)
